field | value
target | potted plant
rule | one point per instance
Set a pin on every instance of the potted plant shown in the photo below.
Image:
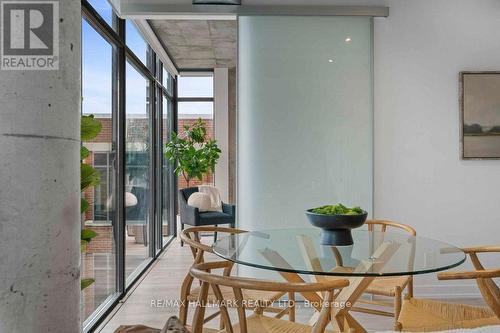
(193, 154)
(89, 177)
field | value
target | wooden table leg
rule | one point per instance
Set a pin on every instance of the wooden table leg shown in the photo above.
(346, 299)
(277, 260)
(349, 295)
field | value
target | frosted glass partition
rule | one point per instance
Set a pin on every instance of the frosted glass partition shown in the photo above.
(305, 117)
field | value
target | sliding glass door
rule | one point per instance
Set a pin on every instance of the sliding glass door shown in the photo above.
(305, 117)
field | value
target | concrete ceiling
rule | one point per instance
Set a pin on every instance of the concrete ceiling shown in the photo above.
(198, 43)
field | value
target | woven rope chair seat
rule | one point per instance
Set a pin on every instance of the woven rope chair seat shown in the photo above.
(264, 324)
(385, 286)
(146, 329)
(428, 316)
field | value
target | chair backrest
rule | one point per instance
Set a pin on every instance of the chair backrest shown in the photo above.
(489, 289)
(203, 273)
(484, 277)
(191, 236)
(382, 225)
(186, 192)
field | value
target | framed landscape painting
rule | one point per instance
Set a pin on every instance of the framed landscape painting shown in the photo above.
(480, 115)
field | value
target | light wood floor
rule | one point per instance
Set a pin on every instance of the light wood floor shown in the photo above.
(101, 267)
(162, 282)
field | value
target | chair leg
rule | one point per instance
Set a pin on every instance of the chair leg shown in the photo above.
(291, 307)
(410, 288)
(221, 323)
(184, 304)
(398, 299)
(215, 236)
(182, 228)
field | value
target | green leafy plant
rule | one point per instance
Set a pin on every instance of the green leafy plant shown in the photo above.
(338, 209)
(89, 177)
(193, 154)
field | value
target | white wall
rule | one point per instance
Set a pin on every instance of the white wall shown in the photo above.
(419, 177)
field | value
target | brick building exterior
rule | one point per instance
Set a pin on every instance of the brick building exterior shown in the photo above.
(99, 147)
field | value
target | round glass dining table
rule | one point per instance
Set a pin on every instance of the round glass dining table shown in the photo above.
(374, 254)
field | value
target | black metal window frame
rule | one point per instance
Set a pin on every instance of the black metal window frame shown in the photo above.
(104, 167)
(196, 73)
(193, 73)
(153, 72)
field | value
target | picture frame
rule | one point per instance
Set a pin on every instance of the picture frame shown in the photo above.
(479, 115)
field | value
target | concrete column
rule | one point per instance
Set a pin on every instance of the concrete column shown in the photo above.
(232, 134)
(40, 190)
(221, 99)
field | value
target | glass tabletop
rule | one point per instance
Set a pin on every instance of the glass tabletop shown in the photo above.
(374, 253)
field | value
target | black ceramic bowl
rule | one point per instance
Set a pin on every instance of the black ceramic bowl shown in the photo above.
(336, 228)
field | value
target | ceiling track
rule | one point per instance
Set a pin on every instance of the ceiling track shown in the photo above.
(165, 11)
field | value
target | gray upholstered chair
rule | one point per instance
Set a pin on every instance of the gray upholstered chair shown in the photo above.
(192, 216)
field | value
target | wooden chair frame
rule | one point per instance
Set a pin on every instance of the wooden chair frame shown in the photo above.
(203, 273)
(484, 277)
(396, 292)
(191, 236)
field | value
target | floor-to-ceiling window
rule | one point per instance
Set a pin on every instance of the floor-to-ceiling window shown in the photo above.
(136, 43)
(166, 200)
(196, 101)
(138, 165)
(98, 259)
(126, 88)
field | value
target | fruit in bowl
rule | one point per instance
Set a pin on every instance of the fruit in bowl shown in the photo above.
(336, 222)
